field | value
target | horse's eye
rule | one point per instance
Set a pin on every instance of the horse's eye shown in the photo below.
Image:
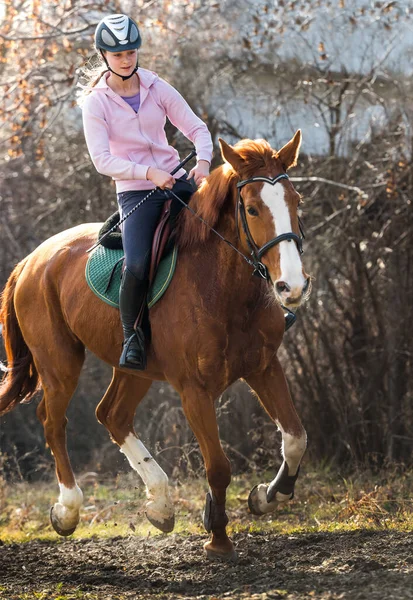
(252, 211)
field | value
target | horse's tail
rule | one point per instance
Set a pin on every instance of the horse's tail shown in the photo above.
(21, 379)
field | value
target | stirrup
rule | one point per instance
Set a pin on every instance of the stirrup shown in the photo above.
(134, 353)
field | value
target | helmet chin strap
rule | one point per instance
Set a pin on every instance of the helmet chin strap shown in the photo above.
(114, 72)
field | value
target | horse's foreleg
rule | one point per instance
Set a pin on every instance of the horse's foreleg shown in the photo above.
(272, 390)
(116, 411)
(200, 412)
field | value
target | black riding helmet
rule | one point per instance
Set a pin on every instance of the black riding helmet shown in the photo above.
(117, 33)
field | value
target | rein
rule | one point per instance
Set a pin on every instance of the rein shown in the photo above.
(119, 223)
(249, 261)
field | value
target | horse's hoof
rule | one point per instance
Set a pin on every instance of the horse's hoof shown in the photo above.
(253, 502)
(167, 525)
(57, 527)
(217, 555)
(257, 501)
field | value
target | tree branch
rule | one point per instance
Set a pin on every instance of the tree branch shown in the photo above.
(335, 183)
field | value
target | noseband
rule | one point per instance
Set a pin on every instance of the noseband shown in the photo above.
(256, 253)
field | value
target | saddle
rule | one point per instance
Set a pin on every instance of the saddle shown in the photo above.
(160, 239)
(159, 245)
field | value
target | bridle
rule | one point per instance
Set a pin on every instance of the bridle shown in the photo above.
(256, 253)
(260, 270)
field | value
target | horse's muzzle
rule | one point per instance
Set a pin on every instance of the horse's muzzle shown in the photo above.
(292, 297)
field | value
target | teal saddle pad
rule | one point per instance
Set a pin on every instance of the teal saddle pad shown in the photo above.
(101, 263)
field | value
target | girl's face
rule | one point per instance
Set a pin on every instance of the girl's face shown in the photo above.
(122, 62)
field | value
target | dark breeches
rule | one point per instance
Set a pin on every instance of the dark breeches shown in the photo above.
(138, 229)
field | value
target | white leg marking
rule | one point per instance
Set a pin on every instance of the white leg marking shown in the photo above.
(290, 261)
(293, 448)
(66, 509)
(71, 497)
(155, 478)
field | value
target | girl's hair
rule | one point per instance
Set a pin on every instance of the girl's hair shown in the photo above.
(90, 75)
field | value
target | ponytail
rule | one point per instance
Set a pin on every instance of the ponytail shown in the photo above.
(96, 79)
(91, 75)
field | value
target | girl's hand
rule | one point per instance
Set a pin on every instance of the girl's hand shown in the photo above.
(200, 171)
(160, 178)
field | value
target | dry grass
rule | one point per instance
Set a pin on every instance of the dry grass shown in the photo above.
(324, 501)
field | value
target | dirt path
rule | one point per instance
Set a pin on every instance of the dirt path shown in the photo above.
(353, 565)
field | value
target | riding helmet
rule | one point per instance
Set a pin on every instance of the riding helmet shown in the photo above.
(117, 33)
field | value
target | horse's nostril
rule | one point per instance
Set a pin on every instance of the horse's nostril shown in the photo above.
(306, 285)
(281, 286)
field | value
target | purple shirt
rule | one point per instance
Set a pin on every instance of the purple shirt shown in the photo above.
(133, 101)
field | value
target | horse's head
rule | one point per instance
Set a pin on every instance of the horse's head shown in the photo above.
(269, 208)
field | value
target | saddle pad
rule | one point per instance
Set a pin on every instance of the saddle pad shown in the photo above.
(99, 268)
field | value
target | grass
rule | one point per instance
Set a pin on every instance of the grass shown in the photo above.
(324, 501)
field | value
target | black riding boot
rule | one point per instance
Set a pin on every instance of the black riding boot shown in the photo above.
(132, 294)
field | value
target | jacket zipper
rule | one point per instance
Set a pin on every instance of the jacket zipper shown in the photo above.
(140, 131)
(145, 138)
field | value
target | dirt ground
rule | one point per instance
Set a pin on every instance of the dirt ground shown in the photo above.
(352, 565)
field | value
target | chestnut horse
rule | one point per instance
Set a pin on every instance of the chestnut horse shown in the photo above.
(215, 324)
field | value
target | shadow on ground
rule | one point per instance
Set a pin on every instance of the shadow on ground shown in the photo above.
(355, 565)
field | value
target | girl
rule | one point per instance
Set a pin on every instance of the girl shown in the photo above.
(124, 113)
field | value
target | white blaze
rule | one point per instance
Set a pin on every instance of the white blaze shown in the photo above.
(290, 261)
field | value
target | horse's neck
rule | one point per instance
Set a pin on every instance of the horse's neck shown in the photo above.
(221, 276)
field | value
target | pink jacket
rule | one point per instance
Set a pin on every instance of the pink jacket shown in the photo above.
(124, 144)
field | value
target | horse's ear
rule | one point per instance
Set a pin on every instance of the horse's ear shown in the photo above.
(230, 155)
(288, 154)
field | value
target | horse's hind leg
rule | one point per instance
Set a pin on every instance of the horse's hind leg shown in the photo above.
(272, 390)
(59, 374)
(116, 411)
(200, 412)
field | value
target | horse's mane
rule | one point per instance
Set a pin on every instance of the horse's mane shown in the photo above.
(211, 201)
